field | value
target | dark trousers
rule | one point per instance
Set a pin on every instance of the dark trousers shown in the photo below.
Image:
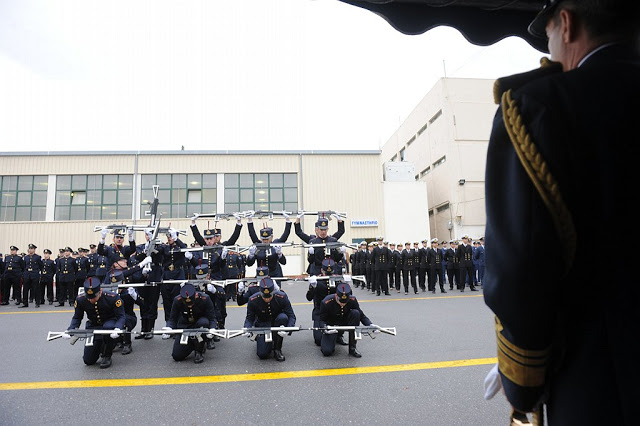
(370, 279)
(168, 292)
(408, 276)
(435, 274)
(31, 285)
(264, 349)
(422, 277)
(480, 273)
(398, 279)
(10, 282)
(63, 292)
(315, 316)
(328, 342)
(102, 343)
(381, 281)
(452, 275)
(180, 351)
(46, 287)
(466, 274)
(392, 274)
(75, 286)
(149, 309)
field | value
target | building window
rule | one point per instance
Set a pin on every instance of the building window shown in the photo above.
(410, 141)
(435, 116)
(440, 161)
(430, 212)
(180, 195)
(24, 198)
(425, 172)
(442, 208)
(260, 191)
(402, 154)
(94, 197)
(422, 129)
(394, 158)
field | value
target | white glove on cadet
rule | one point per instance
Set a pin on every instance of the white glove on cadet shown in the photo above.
(252, 251)
(278, 250)
(209, 336)
(343, 249)
(331, 331)
(312, 250)
(130, 233)
(103, 235)
(173, 233)
(193, 220)
(211, 288)
(165, 336)
(66, 336)
(238, 218)
(133, 293)
(240, 287)
(286, 216)
(282, 333)
(492, 383)
(336, 217)
(377, 326)
(115, 335)
(300, 214)
(313, 281)
(146, 261)
(225, 251)
(188, 255)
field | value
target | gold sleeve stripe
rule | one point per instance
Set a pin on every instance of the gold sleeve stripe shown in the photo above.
(541, 177)
(523, 367)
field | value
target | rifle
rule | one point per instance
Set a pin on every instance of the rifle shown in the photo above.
(185, 333)
(255, 331)
(344, 278)
(324, 214)
(265, 214)
(358, 330)
(154, 222)
(207, 249)
(331, 245)
(85, 334)
(265, 246)
(215, 216)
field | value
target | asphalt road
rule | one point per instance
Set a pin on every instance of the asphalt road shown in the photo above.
(431, 373)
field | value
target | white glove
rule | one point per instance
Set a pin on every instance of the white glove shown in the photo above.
(286, 216)
(240, 287)
(182, 285)
(146, 261)
(173, 233)
(312, 250)
(130, 233)
(146, 269)
(238, 218)
(115, 335)
(188, 255)
(165, 336)
(133, 293)
(250, 214)
(276, 287)
(209, 336)
(103, 235)
(377, 326)
(252, 251)
(66, 336)
(193, 220)
(278, 250)
(225, 250)
(211, 288)
(300, 214)
(282, 333)
(313, 281)
(343, 249)
(492, 383)
(336, 217)
(347, 278)
(246, 333)
(331, 331)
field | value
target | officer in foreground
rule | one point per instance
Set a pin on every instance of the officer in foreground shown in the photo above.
(105, 311)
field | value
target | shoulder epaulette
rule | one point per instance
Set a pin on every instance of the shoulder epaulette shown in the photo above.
(516, 81)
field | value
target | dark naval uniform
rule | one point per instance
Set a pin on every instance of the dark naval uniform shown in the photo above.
(317, 292)
(434, 260)
(453, 268)
(173, 269)
(31, 279)
(190, 310)
(82, 270)
(380, 257)
(464, 253)
(65, 278)
(107, 313)
(408, 270)
(319, 254)
(558, 169)
(13, 270)
(283, 239)
(150, 294)
(46, 279)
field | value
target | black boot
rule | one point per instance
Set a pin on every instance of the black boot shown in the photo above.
(199, 353)
(210, 344)
(353, 351)
(150, 324)
(127, 349)
(277, 348)
(107, 351)
(340, 340)
(143, 330)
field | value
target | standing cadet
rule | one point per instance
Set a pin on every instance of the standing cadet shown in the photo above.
(65, 277)
(82, 270)
(321, 237)
(150, 294)
(117, 250)
(479, 258)
(266, 255)
(31, 277)
(464, 254)
(341, 309)
(191, 309)
(424, 268)
(392, 266)
(380, 257)
(408, 274)
(453, 269)
(416, 265)
(360, 262)
(104, 312)
(13, 270)
(46, 277)
(172, 269)
(397, 261)
(283, 238)
(269, 308)
(434, 260)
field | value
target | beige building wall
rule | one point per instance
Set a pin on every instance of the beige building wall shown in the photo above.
(445, 137)
(349, 181)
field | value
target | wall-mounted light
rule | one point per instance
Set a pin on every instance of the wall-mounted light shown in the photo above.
(461, 182)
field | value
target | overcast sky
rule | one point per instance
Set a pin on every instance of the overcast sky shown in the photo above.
(216, 75)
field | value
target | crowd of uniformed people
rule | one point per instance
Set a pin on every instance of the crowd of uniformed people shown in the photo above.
(116, 276)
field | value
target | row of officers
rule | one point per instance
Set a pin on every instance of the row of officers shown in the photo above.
(387, 266)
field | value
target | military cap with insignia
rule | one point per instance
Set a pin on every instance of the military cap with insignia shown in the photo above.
(262, 271)
(33, 246)
(435, 240)
(214, 232)
(91, 287)
(267, 287)
(266, 233)
(61, 250)
(380, 238)
(118, 233)
(363, 243)
(343, 291)
(68, 249)
(14, 248)
(322, 223)
(92, 246)
(47, 251)
(328, 266)
(187, 292)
